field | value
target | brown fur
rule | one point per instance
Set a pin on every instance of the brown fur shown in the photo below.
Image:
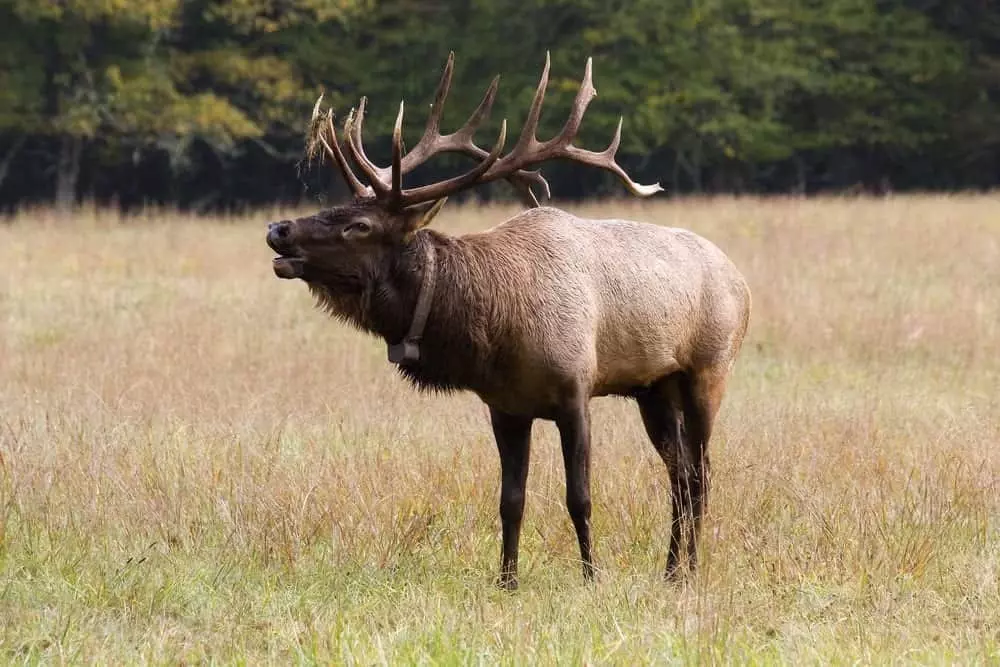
(538, 315)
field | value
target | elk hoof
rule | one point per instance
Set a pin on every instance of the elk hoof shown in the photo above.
(507, 582)
(673, 573)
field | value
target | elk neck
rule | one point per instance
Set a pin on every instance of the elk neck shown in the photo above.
(453, 335)
(458, 341)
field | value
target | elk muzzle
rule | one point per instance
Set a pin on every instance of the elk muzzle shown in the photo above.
(287, 264)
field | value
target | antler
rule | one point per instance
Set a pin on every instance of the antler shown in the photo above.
(386, 182)
(432, 141)
(529, 150)
(325, 123)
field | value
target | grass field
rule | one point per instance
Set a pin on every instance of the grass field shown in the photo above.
(197, 465)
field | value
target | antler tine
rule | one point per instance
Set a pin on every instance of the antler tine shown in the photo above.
(355, 147)
(616, 140)
(606, 160)
(433, 126)
(333, 150)
(444, 188)
(527, 142)
(441, 94)
(432, 142)
(482, 111)
(397, 155)
(584, 96)
(316, 108)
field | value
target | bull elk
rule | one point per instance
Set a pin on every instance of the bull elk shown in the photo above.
(536, 315)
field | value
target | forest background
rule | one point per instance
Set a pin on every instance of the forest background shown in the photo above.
(202, 104)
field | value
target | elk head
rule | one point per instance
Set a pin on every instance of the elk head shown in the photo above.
(344, 247)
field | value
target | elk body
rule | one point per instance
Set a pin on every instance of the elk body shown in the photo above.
(537, 315)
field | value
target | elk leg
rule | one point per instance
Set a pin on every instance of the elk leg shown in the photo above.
(661, 410)
(574, 433)
(702, 398)
(513, 436)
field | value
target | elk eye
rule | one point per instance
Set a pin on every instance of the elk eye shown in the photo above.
(357, 229)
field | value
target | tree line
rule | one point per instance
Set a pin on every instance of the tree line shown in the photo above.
(203, 104)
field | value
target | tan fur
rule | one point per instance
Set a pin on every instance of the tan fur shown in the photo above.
(602, 306)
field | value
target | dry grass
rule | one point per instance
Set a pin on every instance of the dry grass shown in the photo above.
(197, 465)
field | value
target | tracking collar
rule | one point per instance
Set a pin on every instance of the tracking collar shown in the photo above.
(408, 351)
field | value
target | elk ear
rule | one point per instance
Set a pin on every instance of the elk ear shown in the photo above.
(419, 216)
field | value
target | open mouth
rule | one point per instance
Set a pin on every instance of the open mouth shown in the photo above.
(288, 267)
(288, 263)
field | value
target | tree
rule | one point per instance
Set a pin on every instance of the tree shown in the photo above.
(133, 74)
(203, 103)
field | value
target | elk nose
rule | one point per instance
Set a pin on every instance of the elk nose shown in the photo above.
(277, 232)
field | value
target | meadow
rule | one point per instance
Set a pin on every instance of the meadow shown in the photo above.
(196, 465)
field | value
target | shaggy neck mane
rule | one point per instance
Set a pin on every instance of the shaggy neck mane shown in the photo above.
(459, 341)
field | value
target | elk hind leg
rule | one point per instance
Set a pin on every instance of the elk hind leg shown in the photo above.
(662, 408)
(702, 396)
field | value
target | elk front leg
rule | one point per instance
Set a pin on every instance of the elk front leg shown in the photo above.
(574, 432)
(513, 436)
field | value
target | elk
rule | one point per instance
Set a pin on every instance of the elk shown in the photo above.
(536, 315)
